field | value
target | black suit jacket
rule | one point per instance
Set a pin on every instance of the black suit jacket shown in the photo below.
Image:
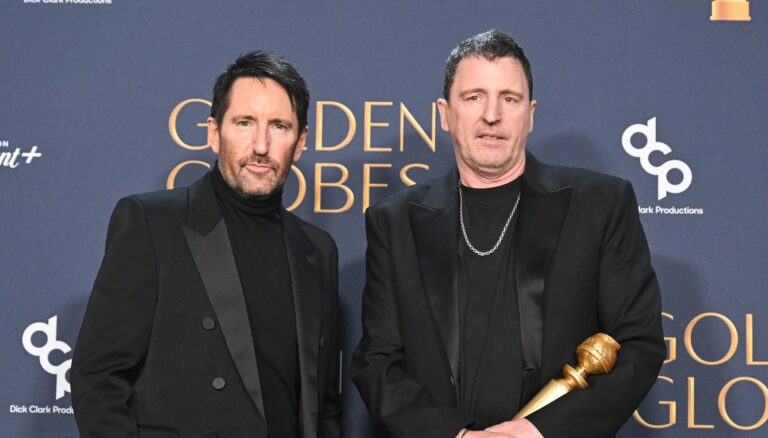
(582, 266)
(165, 348)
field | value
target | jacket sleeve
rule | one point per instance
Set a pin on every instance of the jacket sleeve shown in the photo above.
(396, 401)
(330, 410)
(629, 308)
(114, 335)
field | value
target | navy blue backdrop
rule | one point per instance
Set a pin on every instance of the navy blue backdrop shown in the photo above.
(100, 99)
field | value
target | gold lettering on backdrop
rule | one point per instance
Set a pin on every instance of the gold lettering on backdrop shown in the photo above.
(671, 411)
(671, 342)
(731, 331)
(426, 131)
(302, 188)
(722, 407)
(750, 344)
(404, 173)
(405, 114)
(367, 184)
(173, 120)
(319, 184)
(171, 181)
(733, 342)
(368, 124)
(319, 119)
(692, 407)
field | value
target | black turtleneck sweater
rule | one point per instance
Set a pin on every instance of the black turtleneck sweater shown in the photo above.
(256, 233)
(490, 327)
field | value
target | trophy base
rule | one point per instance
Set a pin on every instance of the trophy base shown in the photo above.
(730, 10)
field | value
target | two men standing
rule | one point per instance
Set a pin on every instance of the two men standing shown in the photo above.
(215, 310)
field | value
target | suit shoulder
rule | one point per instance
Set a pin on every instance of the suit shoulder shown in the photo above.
(160, 201)
(160, 198)
(579, 175)
(156, 207)
(403, 197)
(583, 180)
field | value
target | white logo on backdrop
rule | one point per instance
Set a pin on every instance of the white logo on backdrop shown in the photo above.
(644, 154)
(44, 352)
(11, 158)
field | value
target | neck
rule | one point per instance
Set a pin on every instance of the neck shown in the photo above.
(475, 180)
(268, 205)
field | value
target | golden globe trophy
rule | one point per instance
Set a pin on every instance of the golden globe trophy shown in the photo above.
(596, 355)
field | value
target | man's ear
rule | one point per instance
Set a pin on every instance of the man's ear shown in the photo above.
(442, 108)
(300, 144)
(213, 135)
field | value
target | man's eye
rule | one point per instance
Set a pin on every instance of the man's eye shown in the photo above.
(510, 99)
(280, 126)
(244, 123)
(473, 98)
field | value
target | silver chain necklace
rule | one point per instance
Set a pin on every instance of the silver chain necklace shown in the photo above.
(503, 230)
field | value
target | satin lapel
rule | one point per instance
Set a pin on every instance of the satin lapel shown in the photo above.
(542, 211)
(215, 261)
(306, 281)
(434, 223)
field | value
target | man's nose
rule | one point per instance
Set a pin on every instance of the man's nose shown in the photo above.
(260, 141)
(492, 111)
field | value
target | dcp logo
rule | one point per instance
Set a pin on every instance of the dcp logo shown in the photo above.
(44, 352)
(644, 153)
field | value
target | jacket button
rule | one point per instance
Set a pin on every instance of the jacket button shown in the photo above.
(208, 323)
(219, 383)
(211, 434)
(322, 342)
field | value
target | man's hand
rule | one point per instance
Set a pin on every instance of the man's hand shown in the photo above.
(517, 428)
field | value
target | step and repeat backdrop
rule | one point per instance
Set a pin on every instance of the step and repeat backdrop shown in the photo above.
(104, 98)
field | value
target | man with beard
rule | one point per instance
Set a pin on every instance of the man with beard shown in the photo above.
(481, 284)
(215, 310)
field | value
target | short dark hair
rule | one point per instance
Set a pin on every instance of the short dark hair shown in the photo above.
(263, 65)
(491, 45)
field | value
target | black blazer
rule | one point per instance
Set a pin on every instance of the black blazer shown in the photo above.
(582, 266)
(165, 348)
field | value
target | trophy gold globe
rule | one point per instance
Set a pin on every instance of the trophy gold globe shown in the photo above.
(596, 355)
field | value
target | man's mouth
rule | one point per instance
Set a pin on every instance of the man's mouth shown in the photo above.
(258, 167)
(489, 136)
